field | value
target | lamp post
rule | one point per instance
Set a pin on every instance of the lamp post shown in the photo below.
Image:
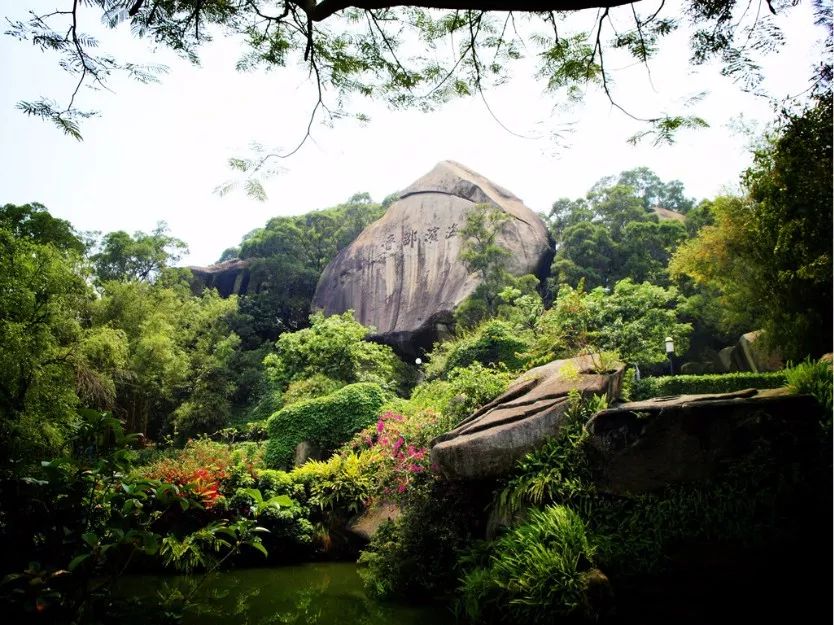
(670, 351)
(418, 362)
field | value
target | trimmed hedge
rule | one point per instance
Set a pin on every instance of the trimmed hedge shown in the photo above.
(327, 422)
(708, 383)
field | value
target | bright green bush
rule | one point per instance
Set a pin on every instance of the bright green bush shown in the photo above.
(339, 486)
(813, 378)
(535, 573)
(335, 347)
(494, 343)
(327, 422)
(708, 383)
(466, 389)
(310, 388)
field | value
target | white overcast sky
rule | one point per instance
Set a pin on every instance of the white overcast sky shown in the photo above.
(158, 151)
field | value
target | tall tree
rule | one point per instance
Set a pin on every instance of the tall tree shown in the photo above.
(139, 257)
(769, 254)
(613, 232)
(482, 255)
(51, 359)
(34, 223)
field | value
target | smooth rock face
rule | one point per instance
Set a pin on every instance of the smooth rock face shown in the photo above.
(230, 277)
(643, 446)
(753, 356)
(403, 274)
(488, 443)
(366, 524)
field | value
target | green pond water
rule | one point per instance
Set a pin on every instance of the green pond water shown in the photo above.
(319, 593)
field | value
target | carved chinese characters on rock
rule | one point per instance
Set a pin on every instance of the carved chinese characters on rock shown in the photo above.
(409, 237)
(386, 246)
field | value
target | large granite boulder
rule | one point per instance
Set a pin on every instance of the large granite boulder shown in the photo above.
(749, 354)
(754, 356)
(230, 277)
(488, 443)
(646, 445)
(403, 274)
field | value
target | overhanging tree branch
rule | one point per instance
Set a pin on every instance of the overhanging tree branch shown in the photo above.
(325, 9)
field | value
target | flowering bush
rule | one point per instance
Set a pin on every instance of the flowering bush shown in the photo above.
(202, 465)
(397, 460)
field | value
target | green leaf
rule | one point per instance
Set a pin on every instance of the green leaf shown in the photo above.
(227, 531)
(280, 500)
(259, 546)
(11, 577)
(77, 560)
(150, 544)
(255, 494)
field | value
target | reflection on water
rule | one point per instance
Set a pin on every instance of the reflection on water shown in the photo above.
(308, 594)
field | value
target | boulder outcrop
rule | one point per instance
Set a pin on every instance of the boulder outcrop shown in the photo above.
(403, 275)
(646, 445)
(488, 443)
(230, 277)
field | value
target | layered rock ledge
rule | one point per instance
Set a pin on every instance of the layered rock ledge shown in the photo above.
(488, 443)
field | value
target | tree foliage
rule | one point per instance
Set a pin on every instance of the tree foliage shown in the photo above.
(614, 232)
(769, 254)
(184, 363)
(34, 223)
(51, 360)
(139, 257)
(336, 347)
(287, 256)
(632, 320)
(410, 55)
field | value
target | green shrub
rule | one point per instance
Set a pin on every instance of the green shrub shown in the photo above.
(335, 347)
(339, 486)
(535, 573)
(708, 383)
(291, 531)
(466, 389)
(417, 555)
(493, 343)
(327, 422)
(310, 388)
(559, 470)
(813, 378)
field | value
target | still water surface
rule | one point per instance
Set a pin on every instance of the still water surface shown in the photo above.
(307, 594)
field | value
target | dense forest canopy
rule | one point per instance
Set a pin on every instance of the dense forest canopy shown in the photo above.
(113, 324)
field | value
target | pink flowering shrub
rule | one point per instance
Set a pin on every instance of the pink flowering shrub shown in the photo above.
(397, 459)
